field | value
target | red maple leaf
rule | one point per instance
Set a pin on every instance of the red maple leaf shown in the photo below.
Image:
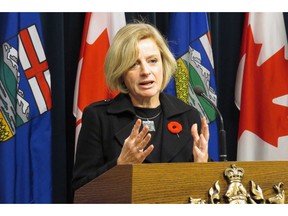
(261, 85)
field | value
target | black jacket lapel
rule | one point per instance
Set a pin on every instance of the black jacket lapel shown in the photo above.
(124, 111)
(173, 143)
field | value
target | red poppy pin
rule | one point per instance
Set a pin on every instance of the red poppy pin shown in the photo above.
(174, 127)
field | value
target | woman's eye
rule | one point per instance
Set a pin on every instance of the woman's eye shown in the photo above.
(154, 60)
(134, 65)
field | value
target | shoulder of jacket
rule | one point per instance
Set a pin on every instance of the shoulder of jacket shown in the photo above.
(101, 103)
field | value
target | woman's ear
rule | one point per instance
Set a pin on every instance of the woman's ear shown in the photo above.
(123, 83)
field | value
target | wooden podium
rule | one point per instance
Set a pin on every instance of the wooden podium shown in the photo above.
(177, 182)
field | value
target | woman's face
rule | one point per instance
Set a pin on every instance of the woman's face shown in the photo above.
(144, 78)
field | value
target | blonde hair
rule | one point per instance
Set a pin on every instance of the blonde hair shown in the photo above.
(123, 53)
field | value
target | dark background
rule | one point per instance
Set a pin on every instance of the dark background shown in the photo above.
(62, 41)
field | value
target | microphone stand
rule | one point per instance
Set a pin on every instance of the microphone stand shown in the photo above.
(222, 133)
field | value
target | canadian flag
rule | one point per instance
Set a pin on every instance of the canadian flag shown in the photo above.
(90, 86)
(261, 91)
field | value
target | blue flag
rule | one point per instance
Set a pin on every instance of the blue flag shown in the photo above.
(25, 114)
(189, 41)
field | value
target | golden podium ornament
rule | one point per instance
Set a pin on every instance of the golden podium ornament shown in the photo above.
(237, 193)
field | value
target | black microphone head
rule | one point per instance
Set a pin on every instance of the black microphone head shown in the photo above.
(198, 90)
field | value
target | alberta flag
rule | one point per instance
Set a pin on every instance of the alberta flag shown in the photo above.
(189, 41)
(261, 91)
(25, 114)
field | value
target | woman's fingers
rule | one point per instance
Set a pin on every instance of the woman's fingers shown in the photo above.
(205, 128)
(200, 143)
(133, 147)
(194, 132)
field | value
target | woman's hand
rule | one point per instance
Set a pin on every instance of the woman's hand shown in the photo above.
(133, 147)
(200, 144)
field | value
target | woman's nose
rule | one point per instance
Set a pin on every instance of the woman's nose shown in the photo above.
(145, 69)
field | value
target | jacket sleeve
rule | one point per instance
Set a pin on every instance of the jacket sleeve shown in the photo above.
(90, 161)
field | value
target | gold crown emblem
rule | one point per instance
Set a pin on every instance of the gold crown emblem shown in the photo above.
(234, 174)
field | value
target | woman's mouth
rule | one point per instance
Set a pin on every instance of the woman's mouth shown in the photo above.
(146, 83)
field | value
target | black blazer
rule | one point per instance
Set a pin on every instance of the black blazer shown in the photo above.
(106, 124)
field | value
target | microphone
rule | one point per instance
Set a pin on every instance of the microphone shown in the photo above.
(222, 133)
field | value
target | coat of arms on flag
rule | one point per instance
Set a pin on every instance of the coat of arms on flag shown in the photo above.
(192, 72)
(16, 93)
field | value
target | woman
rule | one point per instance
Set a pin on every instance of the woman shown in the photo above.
(141, 124)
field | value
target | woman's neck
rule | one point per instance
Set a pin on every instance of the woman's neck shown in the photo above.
(152, 102)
